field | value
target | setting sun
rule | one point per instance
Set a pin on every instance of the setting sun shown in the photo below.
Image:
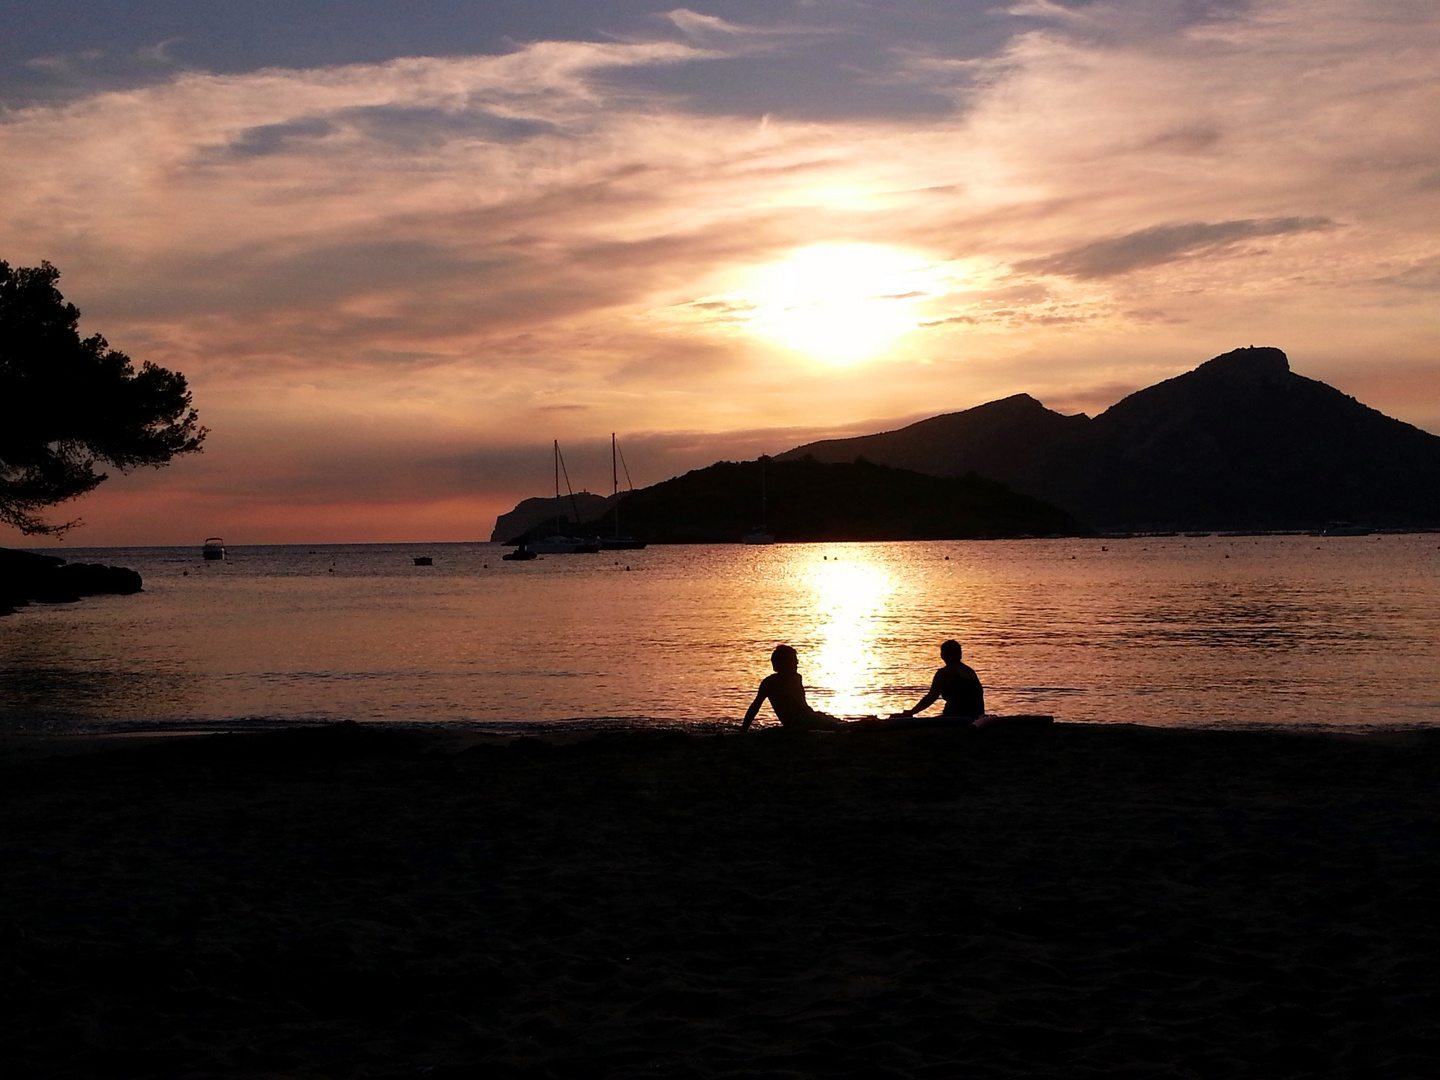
(840, 303)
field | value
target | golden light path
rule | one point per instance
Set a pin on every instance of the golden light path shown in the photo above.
(850, 599)
(840, 303)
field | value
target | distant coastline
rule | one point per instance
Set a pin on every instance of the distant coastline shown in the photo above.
(1240, 446)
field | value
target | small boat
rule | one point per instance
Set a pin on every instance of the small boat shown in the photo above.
(758, 536)
(214, 548)
(424, 560)
(520, 554)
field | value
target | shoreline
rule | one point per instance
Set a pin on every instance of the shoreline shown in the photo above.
(569, 728)
(1073, 901)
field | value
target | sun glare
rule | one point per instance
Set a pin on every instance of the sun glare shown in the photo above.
(850, 597)
(840, 303)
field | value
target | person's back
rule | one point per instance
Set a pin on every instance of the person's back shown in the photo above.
(957, 683)
(785, 691)
(961, 689)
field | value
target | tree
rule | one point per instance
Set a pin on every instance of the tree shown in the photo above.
(68, 402)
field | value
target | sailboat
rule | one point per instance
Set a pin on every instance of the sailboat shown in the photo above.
(760, 535)
(557, 544)
(617, 541)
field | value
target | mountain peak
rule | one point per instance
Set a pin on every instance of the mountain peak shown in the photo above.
(1239, 442)
(1255, 361)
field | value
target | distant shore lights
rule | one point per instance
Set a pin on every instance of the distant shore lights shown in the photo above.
(840, 303)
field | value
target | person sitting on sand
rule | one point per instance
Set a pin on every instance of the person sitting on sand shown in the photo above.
(786, 693)
(958, 684)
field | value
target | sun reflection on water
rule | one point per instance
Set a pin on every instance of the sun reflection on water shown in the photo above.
(850, 599)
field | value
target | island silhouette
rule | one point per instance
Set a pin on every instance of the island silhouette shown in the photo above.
(1239, 443)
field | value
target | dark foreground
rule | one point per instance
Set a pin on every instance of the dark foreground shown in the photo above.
(1074, 902)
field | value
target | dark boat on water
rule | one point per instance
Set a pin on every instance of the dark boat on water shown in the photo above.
(617, 541)
(557, 544)
(520, 554)
(214, 549)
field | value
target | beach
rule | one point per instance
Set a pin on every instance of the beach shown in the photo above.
(1076, 901)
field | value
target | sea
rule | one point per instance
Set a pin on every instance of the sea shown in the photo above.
(1198, 631)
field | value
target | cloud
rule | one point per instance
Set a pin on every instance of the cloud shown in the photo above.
(1424, 276)
(273, 138)
(65, 75)
(436, 254)
(1164, 243)
(694, 24)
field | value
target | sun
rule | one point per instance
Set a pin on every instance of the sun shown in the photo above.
(840, 303)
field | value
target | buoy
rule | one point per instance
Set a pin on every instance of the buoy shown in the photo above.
(627, 569)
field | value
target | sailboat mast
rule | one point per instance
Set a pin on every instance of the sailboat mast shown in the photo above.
(614, 484)
(763, 522)
(557, 487)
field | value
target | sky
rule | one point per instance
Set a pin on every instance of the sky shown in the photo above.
(398, 249)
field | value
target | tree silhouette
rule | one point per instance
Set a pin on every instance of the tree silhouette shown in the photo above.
(68, 402)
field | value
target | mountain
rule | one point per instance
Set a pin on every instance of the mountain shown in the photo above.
(995, 439)
(1239, 442)
(808, 500)
(532, 513)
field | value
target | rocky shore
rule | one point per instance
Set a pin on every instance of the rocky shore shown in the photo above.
(26, 577)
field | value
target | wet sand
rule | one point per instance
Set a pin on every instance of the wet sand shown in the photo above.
(1071, 902)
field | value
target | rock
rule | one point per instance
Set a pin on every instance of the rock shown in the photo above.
(27, 576)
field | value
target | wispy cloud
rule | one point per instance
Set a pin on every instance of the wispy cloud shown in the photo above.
(442, 252)
(1162, 244)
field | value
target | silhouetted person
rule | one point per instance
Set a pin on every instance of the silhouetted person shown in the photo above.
(958, 684)
(786, 693)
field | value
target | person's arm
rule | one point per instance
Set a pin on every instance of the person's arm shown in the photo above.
(754, 709)
(930, 697)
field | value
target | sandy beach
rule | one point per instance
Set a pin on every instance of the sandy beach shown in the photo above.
(1079, 901)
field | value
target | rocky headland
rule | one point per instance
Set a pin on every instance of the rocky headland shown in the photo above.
(26, 576)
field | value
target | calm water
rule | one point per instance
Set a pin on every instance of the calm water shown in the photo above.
(1192, 631)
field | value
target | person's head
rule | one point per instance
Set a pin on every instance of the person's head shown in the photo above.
(950, 651)
(784, 658)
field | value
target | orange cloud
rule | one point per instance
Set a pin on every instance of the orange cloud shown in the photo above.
(378, 266)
